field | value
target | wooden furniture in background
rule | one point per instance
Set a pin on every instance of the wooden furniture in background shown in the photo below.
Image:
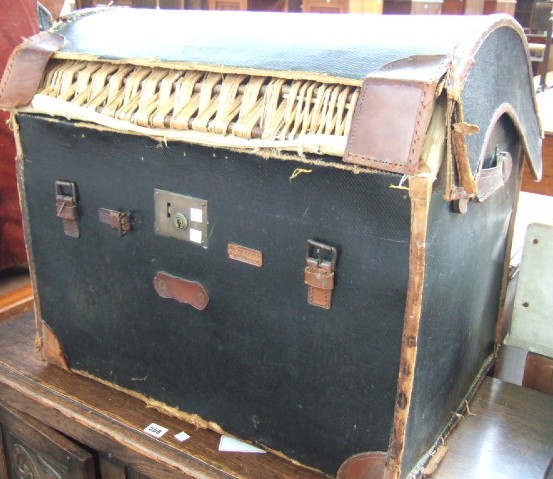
(508, 433)
(16, 293)
(164, 4)
(326, 6)
(538, 373)
(535, 17)
(533, 14)
(545, 186)
(308, 6)
(16, 302)
(412, 7)
(228, 4)
(462, 7)
(33, 450)
(500, 6)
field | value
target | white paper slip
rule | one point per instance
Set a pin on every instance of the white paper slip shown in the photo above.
(181, 436)
(195, 235)
(229, 444)
(155, 430)
(196, 215)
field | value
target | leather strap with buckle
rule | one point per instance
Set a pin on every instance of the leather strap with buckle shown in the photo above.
(319, 273)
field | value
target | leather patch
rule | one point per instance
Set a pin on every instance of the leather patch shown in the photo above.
(245, 255)
(366, 465)
(25, 68)
(181, 290)
(393, 113)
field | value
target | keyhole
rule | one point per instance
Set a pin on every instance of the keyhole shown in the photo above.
(180, 221)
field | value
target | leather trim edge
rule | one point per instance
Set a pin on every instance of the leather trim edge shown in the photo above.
(536, 167)
(366, 465)
(420, 190)
(25, 68)
(45, 339)
(411, 85)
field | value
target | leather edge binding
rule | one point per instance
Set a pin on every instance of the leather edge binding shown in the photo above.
(19, 166)
(420, 190)
(25, 68)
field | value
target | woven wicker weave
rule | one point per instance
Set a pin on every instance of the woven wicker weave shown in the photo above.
(225, 104)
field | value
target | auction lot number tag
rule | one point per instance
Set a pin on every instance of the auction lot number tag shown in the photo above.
(155, 430)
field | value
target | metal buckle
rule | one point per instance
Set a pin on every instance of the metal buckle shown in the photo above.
(65, 197)
(322, 252)
(67, 208)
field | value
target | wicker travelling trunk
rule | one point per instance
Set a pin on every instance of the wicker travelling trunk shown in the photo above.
(294, 227)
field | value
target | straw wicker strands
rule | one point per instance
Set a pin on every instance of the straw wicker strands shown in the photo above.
(245, 106)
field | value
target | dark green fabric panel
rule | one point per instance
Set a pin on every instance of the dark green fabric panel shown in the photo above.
(498, 78)
(350, 46)
(318, 385)
(464, 269)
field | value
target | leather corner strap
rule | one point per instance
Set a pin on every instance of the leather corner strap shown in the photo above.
(25, 68)
(366, 465)
(319, 273)
(393, 112)
(181, 290)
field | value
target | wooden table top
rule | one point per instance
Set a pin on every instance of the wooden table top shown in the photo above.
(508, 435)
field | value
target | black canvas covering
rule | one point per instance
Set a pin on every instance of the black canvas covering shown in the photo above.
(318, 385)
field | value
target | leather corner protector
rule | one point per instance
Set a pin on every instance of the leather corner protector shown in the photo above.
(51, 350)
(366, 465)
(393, 113)
(25, 68)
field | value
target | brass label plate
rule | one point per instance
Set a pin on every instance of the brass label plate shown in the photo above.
(181, 217)
(245, 255)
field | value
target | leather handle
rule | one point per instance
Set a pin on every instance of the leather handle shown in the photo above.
(181, 290)
(489, 180)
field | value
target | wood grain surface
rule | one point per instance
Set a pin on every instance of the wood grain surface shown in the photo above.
(16, 302)
(507, 435)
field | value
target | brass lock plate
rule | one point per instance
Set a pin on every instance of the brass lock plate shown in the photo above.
(181, 217)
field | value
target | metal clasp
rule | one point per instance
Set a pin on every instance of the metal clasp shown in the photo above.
(118, 220)
(67, 208)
